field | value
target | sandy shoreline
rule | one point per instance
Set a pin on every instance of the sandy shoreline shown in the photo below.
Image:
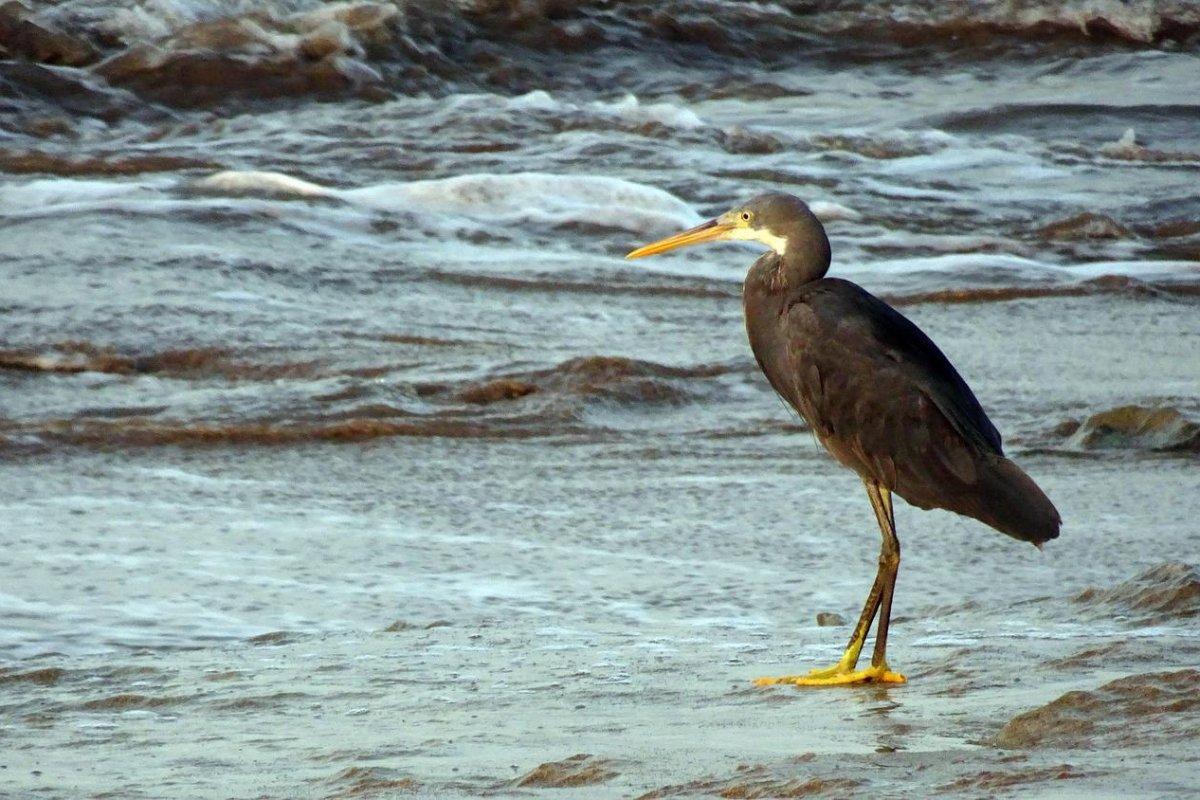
(435, 659)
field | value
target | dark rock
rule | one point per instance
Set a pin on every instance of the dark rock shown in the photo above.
(26, 38)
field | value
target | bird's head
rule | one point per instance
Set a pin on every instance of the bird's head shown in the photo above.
(782, 222)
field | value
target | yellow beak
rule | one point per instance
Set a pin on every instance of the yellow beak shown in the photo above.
(705, 232)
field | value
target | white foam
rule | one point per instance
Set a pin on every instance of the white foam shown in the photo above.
(1139, 21)
(628, 108)
(632, 109)
(524, 196)
(260, 184)
(951, 161)
(828, 211)
(534, 197)
(1136, 269)
(953, 263)
(1125, 147)
(537, 100)
(531, 197)
(1004, 265)
(37, 195)
(360, 15)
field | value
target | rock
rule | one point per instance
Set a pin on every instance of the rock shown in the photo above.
(828, 619)
(24, 37)
(1139, 428)
(39, 96)
(1136, 711)
(204, 78)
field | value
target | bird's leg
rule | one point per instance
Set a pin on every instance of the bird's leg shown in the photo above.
(879, 600)
(889, 557)
(849, 659)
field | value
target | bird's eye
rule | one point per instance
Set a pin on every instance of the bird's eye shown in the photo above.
(745, 216)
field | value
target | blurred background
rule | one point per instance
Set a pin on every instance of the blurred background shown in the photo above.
(342, 454)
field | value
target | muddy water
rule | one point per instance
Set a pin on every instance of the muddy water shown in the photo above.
(343, 456)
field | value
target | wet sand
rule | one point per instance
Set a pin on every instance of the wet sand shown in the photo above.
(443, 616)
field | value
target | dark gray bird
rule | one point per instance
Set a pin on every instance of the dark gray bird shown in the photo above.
(880, 396)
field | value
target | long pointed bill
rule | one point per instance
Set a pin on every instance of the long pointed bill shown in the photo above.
(705, 232)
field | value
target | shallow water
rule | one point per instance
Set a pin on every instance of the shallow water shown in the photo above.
(343, 455)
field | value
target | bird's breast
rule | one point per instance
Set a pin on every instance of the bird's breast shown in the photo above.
(765, 330)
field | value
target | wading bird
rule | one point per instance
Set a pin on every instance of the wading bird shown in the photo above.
(879, 395)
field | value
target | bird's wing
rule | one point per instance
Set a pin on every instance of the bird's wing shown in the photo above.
(868, 378)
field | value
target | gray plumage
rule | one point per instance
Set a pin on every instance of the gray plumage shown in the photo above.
(878, 393)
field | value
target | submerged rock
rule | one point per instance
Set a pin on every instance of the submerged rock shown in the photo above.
(1168, 591)
(43, 101)
(1138, 710)
(22, 36)
(1085, 226)
(1138, 428)
(202, 78)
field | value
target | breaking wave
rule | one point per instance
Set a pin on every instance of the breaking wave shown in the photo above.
(204, 53)
(553, 200)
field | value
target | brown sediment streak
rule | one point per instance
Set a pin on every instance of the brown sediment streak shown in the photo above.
(565, 387)
(371, 782)
(428, 341)
(1108, 284)
(47, 676)
(74, 356)
(1172, 229)
(126, 702)
(762, 781)
(989, 781)
(494, 391)
(599, 368)
(142, 434)
(869, 147)
(37, 161)
(578, 770)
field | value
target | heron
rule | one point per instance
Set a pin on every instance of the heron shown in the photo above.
(880, 397)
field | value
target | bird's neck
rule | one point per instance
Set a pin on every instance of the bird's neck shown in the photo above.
(781, 272)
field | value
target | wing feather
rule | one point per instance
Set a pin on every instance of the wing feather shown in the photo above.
(881, 396)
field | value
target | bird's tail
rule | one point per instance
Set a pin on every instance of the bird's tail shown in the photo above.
(1012, 503)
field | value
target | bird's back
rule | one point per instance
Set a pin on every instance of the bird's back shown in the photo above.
(886, 402)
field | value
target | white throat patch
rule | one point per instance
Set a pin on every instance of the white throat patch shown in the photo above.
(776, 243)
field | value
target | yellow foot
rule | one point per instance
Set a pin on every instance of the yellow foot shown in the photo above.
(837, 676)
(846, 664)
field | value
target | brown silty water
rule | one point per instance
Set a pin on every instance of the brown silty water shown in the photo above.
(344, 456)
